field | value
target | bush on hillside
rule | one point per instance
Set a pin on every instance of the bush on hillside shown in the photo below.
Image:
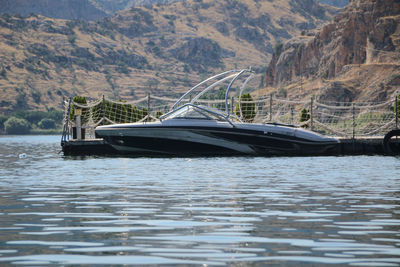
(14, 125)
(2, 121)
(47, 124)
(34, 117)
(304, 115)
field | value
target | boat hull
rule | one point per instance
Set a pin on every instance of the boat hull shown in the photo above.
(209, 141)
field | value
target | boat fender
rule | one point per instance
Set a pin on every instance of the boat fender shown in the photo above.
(386, 140)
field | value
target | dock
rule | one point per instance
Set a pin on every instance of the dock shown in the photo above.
(361, 128)
(87, 147)
(371, 145)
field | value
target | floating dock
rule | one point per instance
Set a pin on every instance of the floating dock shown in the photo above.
(372, 145)
(87, 147)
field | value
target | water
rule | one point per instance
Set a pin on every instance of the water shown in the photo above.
(239, 211)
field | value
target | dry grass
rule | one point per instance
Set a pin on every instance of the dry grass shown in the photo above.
(189, 22)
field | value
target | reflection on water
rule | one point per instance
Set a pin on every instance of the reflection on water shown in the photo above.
(216, 211)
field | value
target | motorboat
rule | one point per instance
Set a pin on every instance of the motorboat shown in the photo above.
(193, 129)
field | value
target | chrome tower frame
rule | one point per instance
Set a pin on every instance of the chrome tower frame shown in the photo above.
(233, 76)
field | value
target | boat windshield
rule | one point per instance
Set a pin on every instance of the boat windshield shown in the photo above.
(193, 112)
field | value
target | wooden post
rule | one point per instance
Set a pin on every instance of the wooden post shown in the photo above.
(312, 113)
(270, 107)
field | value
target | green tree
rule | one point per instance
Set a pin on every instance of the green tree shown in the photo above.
(47, 124)
(32, 117)
(278, 48)
(14, 125)
(304, 116)
(248, 108)
(158, 114)
(3, 73)
(2, 121)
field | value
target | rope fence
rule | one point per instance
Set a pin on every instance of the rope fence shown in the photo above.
(342, 119)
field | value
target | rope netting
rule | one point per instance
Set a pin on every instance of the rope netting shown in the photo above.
(330, 118)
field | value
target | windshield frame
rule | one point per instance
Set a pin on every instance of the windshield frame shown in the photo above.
(202, 110)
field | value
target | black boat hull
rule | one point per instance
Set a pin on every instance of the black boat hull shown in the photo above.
(200, 141)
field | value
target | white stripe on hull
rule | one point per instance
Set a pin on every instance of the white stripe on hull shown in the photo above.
(130, 149)
(180, 135)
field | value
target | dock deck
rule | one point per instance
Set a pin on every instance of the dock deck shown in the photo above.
(87, 147)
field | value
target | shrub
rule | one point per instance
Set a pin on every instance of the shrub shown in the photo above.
(2, 120)
(304, 116)
(47, 124)
(3, 73)
(158, 114)
(56, 115)
(71, 38)
(398, 107)
(21, 101)
(34, 117)
(16, 125)
(278, 48)
(248, 109)
(85, 111)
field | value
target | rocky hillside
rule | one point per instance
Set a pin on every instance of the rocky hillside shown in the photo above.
(112, 6)
(89, 9)
(355, 57)
(336, 3)
(72, 9)
(158, 49)
(63, 9)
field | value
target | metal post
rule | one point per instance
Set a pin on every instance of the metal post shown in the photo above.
(232, 105)
(148, 107)
(103, 110)
(312, 113)
(291, 115)
(354, 120)
(270, 107)
(78, 127)
(67, 111)
(396, 110)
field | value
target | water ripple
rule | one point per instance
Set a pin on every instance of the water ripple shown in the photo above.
(59, 210)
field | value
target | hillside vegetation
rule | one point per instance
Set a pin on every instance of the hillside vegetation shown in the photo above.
(159, 49)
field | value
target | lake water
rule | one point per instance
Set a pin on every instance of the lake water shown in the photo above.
(239, 211)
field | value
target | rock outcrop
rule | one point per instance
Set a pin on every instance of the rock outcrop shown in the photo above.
(366, 32)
